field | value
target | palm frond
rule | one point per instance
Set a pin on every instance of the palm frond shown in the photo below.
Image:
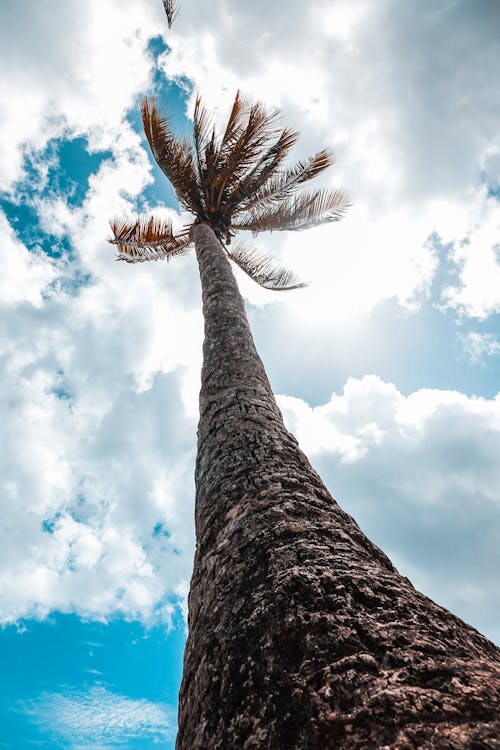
(206, 152)
(172, 10)
(281, 186)
(216, 156)
(249, 142)
(235, 124)
(296, 213)
(173, 156)
(263, 269)
(144, 239)
(245, 150)
(267, 165)
(202, 131)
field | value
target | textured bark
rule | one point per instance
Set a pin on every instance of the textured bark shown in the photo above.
(302, 634)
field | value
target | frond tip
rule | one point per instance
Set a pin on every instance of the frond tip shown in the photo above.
(263, 269)
(302, 211)
(139, 240)
(171, 9)
(173, 156)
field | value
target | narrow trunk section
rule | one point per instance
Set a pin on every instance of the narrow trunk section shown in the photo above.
(302, 635)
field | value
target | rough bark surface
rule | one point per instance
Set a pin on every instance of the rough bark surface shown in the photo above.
(302, 634)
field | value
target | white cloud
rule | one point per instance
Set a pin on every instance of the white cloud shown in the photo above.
(349, 425)
(25, 275)
(99, 450)
(74, 70)
(458, 436)
(477, 255)
(97, 469)
(99, 717)
(363, 260)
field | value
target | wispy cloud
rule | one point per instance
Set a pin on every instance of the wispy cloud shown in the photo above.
(99, 718)
(479, 345)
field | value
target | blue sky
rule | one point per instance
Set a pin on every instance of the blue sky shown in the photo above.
(386, 367)
(56, 665)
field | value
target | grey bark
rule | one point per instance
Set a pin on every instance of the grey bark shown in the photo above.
(302, 634)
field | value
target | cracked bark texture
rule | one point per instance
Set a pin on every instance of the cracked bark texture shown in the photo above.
(302, 634)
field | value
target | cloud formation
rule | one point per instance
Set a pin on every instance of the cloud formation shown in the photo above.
(97, 469)
(69, 70)
(98, 717)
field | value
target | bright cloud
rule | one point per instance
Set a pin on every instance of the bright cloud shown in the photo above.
(73, 70)
(97, 468)
(477, 255)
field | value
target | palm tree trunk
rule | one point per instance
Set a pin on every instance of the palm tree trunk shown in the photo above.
(301, 632)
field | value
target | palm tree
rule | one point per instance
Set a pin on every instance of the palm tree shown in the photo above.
(301, 632)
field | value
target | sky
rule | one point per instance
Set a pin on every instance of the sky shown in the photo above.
(386, 367)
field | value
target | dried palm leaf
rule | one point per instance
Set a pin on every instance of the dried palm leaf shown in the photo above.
(173, 156)
(235, 124)
(253, 138)
(297, 213)
(264, 270)
(257, 177)
(139, 240)
(172, 10)
(281, 186)
(203, 132)
(206, 153)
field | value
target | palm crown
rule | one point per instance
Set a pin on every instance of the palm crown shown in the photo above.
(231, 182)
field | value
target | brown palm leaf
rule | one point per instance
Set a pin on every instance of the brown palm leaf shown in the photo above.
(235, 124)
(248, 146)
(263, 269)
(203, 132)
(245, 152)
(139, 240)
(173, 156)
(206, 153)
(299, 212)
(259, 176)
(282, 185)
